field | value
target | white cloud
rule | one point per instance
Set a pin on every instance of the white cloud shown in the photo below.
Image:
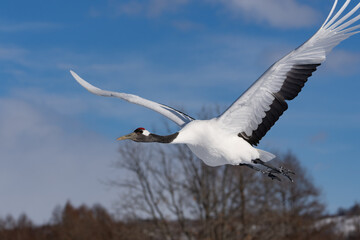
(26, 26)
(21, 56)
(157, 7)
(186, 25)
(12, 53)
(47, 160)
(318, 137)
(278, 13)
(342, 62)
(151, 8)
(129, 8)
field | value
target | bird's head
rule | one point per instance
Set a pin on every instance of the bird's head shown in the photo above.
(138, 135)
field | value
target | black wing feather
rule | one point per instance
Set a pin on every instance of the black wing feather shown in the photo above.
(294, 82)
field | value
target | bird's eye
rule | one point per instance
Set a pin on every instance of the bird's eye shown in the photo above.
(139, 130)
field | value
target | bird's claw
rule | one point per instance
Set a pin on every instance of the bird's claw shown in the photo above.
(286, 172)
(272, 176)
(270, 172)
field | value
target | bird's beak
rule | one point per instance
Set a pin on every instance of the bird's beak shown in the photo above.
(129, 136)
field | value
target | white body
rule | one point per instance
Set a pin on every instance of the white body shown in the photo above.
(209, 142)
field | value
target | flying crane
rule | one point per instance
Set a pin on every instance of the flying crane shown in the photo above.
(231, 137)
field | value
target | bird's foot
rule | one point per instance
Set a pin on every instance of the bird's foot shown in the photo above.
(286, 172)
(272, 176)
(271, 171)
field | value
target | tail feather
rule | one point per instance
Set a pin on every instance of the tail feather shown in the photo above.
(265, 156)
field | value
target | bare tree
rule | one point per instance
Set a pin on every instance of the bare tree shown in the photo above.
(186, 199)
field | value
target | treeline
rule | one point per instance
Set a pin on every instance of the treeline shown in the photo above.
(169, 194)
(73, 223)
(95, 223)
(352, 211)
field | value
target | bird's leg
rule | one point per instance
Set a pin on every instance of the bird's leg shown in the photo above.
(280, 170)
(269, 173)
(251, 166)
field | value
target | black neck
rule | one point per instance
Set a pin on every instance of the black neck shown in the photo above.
(161, 139)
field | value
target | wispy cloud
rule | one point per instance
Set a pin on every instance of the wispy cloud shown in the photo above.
(151, 8)
(343, 62)
(26, 26)
(187, 25)
(318, 137)
(12, 53)
(38, 150)
(277, 13)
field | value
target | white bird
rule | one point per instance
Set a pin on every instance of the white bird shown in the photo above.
(230, 138)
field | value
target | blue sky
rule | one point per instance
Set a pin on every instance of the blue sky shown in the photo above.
(57, 141)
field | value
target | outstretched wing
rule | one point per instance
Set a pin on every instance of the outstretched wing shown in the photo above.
(256, 111)
(178, 117)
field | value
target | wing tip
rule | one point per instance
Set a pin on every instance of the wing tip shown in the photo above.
(74, 74)
(84, 83)
(76, 77)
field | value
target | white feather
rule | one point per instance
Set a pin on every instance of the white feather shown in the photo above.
(244, 112)
(146, 132)
(210, 143)
(171, 113)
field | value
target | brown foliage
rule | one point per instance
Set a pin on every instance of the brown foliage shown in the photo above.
(70, 223)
